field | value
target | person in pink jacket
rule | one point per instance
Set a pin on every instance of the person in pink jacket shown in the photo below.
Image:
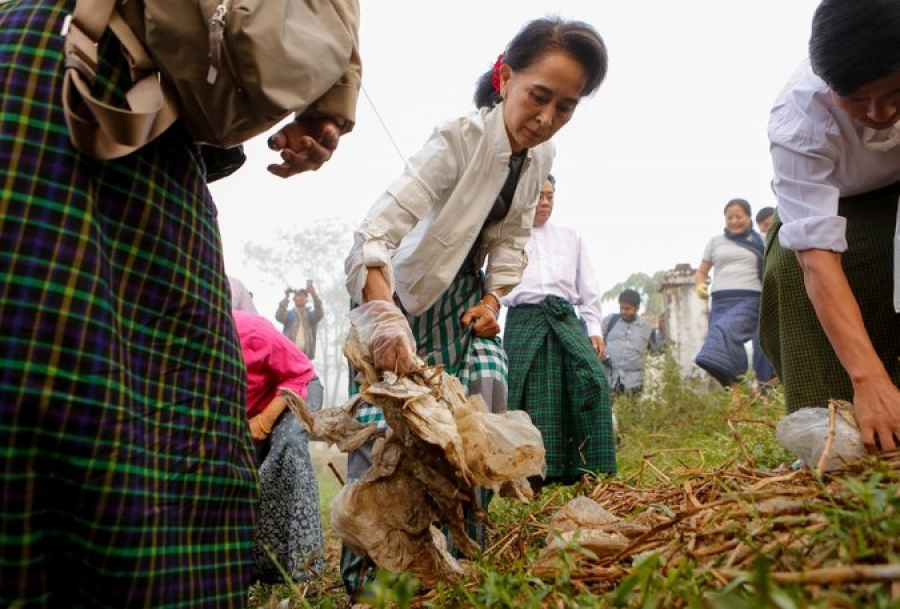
(289, 523)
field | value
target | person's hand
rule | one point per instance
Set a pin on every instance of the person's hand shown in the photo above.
(305, 145)
(483, 320)
(599, 346)
(260, 429)
(384, 329)
(311, 288)
(702, 290)
(877, 407)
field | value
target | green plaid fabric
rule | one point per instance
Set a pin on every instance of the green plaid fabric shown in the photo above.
(127, 476)
(790, 333)
(557, 378)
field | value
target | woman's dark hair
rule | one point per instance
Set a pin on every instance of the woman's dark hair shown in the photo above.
(742, 203)
(541, 36)
(552, 180)
(855, 42)
(765, 212)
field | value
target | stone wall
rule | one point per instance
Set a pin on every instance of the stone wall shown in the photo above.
(686, 318)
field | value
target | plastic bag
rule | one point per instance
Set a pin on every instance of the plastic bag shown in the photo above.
(501, 447)
(805, 433)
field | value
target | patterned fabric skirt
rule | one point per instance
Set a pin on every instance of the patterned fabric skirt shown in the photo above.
(556, 377)
(289, 528)
(127, 475)
(790, 332)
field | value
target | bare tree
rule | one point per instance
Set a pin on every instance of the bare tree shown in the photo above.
(316, 252)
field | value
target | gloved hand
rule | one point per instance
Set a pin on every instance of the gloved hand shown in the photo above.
(702, 291)
(384, 330)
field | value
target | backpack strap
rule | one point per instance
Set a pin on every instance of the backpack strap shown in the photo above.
(613, 319)
(111, 132)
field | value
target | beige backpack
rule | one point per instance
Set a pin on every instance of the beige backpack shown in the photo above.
(231, 69)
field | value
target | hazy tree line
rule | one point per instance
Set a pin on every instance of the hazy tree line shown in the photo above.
(317, 252)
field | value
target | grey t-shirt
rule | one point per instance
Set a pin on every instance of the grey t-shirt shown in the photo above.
(734, 267)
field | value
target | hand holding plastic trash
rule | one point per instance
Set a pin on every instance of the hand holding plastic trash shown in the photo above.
(805, 433)
(383, 328)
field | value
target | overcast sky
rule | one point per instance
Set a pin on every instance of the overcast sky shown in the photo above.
(643, 169)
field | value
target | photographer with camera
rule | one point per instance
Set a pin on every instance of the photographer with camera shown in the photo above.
(300, 323)
(300, 326)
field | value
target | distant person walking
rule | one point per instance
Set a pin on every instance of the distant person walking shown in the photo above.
(737, 257)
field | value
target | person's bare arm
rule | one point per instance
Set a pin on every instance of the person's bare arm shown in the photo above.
(875, 398)
(701, 279)
(261, 424)
(701, 276)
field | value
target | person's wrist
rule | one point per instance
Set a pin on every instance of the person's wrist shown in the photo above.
(265, 427)
(494, 310)
(492, 296)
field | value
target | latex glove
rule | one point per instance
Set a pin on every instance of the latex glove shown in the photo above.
(383, 328)
(703, 291)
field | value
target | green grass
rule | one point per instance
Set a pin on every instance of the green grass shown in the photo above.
(676, 432)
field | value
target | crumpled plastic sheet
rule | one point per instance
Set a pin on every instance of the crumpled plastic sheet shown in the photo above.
(805, 433)
(441, 446)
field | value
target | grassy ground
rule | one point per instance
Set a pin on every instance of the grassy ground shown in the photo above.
(668, 437)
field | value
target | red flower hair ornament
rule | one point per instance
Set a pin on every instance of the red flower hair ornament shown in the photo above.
(495, 77)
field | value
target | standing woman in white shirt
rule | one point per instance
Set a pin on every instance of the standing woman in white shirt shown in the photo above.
(831, 292)
(465, 201)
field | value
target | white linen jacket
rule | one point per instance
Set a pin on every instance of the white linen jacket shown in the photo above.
(421, 228)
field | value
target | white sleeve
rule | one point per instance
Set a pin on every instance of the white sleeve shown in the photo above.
(588, 294)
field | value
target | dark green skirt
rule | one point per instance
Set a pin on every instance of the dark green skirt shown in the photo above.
(556, 377)
(790, 332)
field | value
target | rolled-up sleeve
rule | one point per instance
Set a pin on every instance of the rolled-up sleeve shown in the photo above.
(429, 175)
(807, 201)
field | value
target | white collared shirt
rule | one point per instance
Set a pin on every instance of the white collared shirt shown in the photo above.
(420, 230)
(559, 265)
(819, 155)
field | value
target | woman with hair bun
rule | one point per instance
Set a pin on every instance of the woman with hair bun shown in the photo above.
(465, 202)
(831, 291)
